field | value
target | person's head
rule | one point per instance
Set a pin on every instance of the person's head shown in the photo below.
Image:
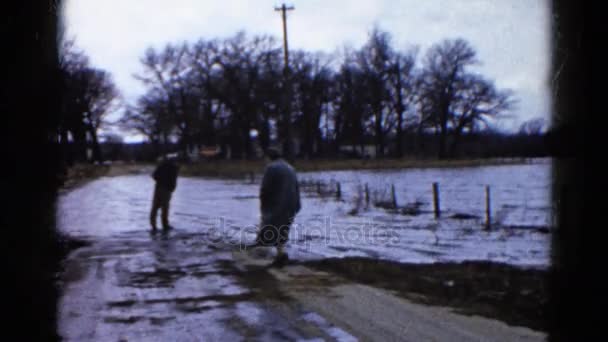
(273, 153)
(173, 159)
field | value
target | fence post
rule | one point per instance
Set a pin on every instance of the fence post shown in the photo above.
(488, 208)
(319, 187)
(436, 200)
(366, 194)
(394, 196)
(338, 191)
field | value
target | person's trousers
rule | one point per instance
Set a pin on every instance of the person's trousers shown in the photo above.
(162, 197)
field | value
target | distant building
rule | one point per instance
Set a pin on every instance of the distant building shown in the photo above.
(209, 152)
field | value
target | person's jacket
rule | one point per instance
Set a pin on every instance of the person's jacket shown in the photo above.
(279, 193)
(165, 175)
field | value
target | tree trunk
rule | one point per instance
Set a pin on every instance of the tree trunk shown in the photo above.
(96, 148)
(400, 111)
(443, 131)
(442, 144)
(399, 141)
(379, 134)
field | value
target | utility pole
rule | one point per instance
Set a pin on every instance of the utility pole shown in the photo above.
(287, 85)
(283, 9)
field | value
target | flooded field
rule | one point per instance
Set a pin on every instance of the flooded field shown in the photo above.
(227, 211)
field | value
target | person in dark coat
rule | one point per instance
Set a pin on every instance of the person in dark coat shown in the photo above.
(279, 204)
(165, 176)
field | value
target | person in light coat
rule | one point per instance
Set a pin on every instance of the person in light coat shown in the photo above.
(279, 204)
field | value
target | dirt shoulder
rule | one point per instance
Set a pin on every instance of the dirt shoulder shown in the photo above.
(515, 296)
(80, 174)
(364, 299)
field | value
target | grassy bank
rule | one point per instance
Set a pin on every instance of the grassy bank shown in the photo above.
(500, 291)
(81, 173)
(242, 168)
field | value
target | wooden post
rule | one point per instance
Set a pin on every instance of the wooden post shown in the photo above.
(319, 187)
(488, 208)
(394, 196)
(436, 200)
(338, 191)
(366, 194)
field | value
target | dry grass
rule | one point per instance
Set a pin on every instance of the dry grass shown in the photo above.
(514, 295)
(80, 173)
(242, 168)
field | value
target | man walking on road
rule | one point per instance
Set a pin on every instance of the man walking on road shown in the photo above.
(279, 204)
(165, 176)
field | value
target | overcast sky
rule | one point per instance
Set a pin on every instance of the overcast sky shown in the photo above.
(511, 37)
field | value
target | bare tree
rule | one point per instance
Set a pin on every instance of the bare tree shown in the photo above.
(311, 80)
(402, 87)
(102, 98)
(165, 74)
(149, 117)
(90, 95)
(218, 91)
(206, 71)
(374, 60)
(477, 102)
(350, 107)
(453, 98)
(249, 85)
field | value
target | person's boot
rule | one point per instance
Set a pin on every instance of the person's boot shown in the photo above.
(165, 221)
(280, 261)
(153, 227)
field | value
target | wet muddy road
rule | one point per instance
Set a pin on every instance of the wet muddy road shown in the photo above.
(176, 287)
(138, 286)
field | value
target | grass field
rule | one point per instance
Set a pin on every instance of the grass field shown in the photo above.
(235, 168)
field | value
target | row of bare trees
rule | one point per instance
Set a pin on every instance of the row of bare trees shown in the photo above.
(218, 91)
(89, 95)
